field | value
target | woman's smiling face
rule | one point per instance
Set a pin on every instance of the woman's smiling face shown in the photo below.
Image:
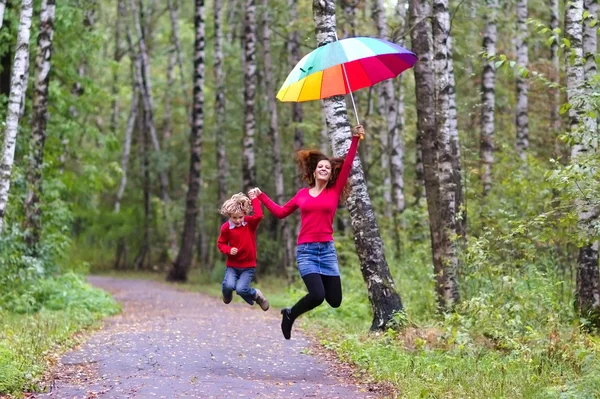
(323, 170)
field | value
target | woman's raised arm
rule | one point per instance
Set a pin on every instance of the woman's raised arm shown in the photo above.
(277, 210)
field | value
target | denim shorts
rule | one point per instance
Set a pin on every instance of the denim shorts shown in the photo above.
(317, 257)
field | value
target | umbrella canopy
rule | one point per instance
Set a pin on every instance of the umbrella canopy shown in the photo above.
(344, 66)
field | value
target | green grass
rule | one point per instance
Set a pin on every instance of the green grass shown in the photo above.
(66, 305)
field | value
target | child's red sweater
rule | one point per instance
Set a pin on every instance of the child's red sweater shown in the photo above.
(243, 238)
(316, 213)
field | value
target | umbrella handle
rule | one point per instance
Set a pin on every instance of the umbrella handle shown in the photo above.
(362, 136)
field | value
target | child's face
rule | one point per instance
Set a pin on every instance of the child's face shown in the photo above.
(237, 218)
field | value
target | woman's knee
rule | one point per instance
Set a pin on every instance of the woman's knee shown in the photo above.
(335, 302)
(316, 298)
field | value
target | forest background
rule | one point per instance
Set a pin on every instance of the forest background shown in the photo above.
(132, 120)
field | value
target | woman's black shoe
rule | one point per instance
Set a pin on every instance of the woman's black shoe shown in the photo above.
(286, 323)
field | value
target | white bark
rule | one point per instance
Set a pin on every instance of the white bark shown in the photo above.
(588, 276)
(250, 78)
(488, 97)
(522, 117)
(349, 8)
(554, 113)
(167, 125)
(39, 118)
(387, 109)
(590, 39)
(133, 114)
(182, 264)
(143, 76)
(433, 90)
(118, 53)
(293, 47)
(222, 166)
(17, 89)
(2, 8)
(397, 133)
(174, 15)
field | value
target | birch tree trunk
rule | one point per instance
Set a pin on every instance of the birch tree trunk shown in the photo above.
(167, 124)
(397, 133)
(294, 57)
(522, 119)
(590, 39)
(461, 212)
(283, 225)
(33, 213)
(117, 55)
(2, 8)
(222, 166)
(133, 115)
(182, 264)
(588, 275)
(174, 15)
(349, 9)
(248, 155)
(488, 96)
(17, 88)
(144, 256)
(555, 109)
(6, 58)
(387, 109)
(145, 83)
(430, 42)
(384, 299)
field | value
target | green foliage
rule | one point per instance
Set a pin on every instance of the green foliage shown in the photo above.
(38, 318)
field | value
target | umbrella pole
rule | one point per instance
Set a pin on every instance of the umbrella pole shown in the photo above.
(349, 90)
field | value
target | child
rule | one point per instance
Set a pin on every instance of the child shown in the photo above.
(238, 241)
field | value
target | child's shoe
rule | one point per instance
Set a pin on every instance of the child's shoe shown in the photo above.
(227, 299)
(262, 301)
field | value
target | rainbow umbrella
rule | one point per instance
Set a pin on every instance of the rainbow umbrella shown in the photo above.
(344, 66)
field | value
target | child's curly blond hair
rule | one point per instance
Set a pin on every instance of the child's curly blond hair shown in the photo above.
(238, 203)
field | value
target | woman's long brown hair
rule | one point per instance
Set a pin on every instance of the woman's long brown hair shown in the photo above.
(308, 161)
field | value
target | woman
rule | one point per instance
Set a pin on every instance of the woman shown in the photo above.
(315, 252)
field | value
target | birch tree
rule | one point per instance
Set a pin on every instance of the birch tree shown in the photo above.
(133, 115)
(167, 123)
(183, 262)
(250, 78)
(590, 39)
(588, 276)
(522, 118)
(488, 96)
(222, 166)
(555, 109)
(461, 214)
(432, 92)
(397, 133)
(387, 109)
(117, 55)
(33, 213)
(2, 8)
(349, 8)
(141, 261)
(17, 89)
(174, 15)
(293, 58)
(284, 226)
(144, 80)
(384, 299)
